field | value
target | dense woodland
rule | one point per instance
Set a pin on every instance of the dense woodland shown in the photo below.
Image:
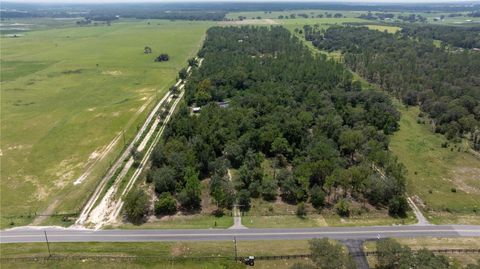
(391, 255)
(325, 139)
(160, 13)
(444, 83)
(457, 36)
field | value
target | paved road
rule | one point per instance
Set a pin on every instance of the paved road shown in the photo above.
(355, 247)
(340, 233)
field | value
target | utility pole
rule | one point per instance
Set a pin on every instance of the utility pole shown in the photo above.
(48, 244)
(235, 245)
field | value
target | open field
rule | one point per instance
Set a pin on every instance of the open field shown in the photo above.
(444, 182)
(432, 17)
(275, 14)
(281, 215)
(462, 259)
(224, 251)
(444, 179)
(382, 28)
(291, 24)
(20, 26)
(160, 249)
(67, 95)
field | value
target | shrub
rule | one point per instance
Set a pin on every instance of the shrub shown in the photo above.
(269, 190)
(243, 198)
(162, 58)
(343, 208)
(136, 206)
(218, 212)
(166, 204)
(317, 197)
(301, 211)
(398, 206)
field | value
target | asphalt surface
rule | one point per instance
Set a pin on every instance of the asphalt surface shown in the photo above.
(35, 234)
(355, 248)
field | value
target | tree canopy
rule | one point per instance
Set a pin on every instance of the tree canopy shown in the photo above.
(444, 83)
(301, 111)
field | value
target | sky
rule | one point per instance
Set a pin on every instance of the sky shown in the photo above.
(179, 1)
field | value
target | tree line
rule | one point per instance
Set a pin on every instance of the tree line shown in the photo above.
(323, 136)
(463, 37)
(445, 84)
(326, 254)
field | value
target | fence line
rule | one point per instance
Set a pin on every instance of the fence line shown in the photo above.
(60, 257)
(57, 257)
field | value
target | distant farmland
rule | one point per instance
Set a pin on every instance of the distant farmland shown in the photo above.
(67, 94)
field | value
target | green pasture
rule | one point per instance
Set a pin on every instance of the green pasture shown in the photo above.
(445, 179)
(275, 14)
(206, 254)
(195, 221)
(69, 92)
(383, 28)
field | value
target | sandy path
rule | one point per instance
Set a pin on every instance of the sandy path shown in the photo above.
(91, 202)
(109, 208)
(119, 204)
(237, 215)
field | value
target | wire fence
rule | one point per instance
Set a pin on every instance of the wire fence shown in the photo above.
(106, 258)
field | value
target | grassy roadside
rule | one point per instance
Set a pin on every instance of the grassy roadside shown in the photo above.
(197, 221)
(219, 254)
(278, 214)
(323, 220)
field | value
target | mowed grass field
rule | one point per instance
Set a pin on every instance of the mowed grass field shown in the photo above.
(276, 14)
(432, 17)
(67, 94)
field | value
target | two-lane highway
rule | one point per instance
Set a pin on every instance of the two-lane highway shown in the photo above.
(21, 235)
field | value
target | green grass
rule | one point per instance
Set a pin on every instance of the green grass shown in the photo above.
(162, 251)
(322, 220)
(197, 221)
(275, 14)
(353, 15)
(115, 264)
(159, 249)
(291, 24)
(281, 215)
(382, 28)
(433, 172)
(58, 107)
(434, 169)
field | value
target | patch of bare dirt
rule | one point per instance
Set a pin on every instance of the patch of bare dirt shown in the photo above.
(43, 216)
(179, 249)
(467, 179)
(249, 22)
(418, 201)
(207, 205)
(112, 72)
